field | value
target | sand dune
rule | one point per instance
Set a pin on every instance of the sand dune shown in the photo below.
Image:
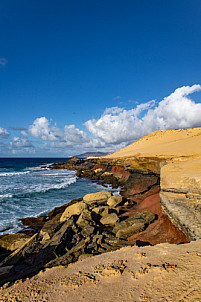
(170, 143)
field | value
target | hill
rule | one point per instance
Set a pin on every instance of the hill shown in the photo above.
(164, 144)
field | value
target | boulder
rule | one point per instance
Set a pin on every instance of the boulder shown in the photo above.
(85, 219)
(97, 197)
(12, 242)
(110, 219)
(102, 211)
(136, 223)
(131, 230)
(75, 209)
(87, 231)
(61, 209)
(114, 200)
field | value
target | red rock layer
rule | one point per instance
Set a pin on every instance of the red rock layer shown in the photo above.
(119, 172)
(162, 230)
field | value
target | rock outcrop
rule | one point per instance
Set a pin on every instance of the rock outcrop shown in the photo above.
(85, 227)
(180, 195)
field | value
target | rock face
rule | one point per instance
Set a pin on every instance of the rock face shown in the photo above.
(181, 195)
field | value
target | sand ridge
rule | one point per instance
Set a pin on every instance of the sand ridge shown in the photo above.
(167, 144)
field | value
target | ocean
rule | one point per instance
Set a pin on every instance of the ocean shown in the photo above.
(27, 188)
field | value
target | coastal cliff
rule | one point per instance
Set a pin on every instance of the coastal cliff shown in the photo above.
(179, 155)
(163, 169)
(160, 185)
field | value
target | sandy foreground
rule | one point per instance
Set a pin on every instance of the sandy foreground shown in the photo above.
(154, 273)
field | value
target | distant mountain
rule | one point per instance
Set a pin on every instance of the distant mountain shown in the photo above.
(91, 154)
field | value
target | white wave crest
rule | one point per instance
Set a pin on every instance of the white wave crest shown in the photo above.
(14, 173)
(6, 195)
(64, 184)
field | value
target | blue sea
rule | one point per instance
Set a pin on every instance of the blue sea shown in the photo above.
(28, 188)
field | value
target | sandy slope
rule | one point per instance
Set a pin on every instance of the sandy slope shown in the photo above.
(171, 143)
(161, 273)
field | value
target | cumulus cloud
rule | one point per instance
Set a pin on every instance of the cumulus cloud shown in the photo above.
(118, 125)
(41, 129)
(4, 133)
(74, 135)
(3, 61)
(70, 136)
(19, 142)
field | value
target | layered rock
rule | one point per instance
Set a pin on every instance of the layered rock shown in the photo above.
(181, 195)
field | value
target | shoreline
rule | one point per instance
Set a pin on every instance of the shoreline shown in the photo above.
(118, 243)
(94, 224)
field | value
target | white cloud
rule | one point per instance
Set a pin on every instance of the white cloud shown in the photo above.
(19, 142)
(41, 129)
(74, 135)
(70, 137)
(24, 133)
(3, 61)
(4, 133)
(118, 125)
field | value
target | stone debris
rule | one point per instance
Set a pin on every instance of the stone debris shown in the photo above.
(90, 226)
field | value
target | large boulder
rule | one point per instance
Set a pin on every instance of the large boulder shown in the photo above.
(75, 209)
(12, 242)
(130, 230)
(114, 200)
(110, 219)
(134, 224)
(97, 197)
(85, 219)
(101, 211)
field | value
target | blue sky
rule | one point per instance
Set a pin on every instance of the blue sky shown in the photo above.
(86, 75)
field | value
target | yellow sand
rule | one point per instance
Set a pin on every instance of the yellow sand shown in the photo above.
(167, 144)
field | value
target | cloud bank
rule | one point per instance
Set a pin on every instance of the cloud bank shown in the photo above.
(116, 127)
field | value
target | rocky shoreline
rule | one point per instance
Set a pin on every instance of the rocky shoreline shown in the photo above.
(93, 224)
